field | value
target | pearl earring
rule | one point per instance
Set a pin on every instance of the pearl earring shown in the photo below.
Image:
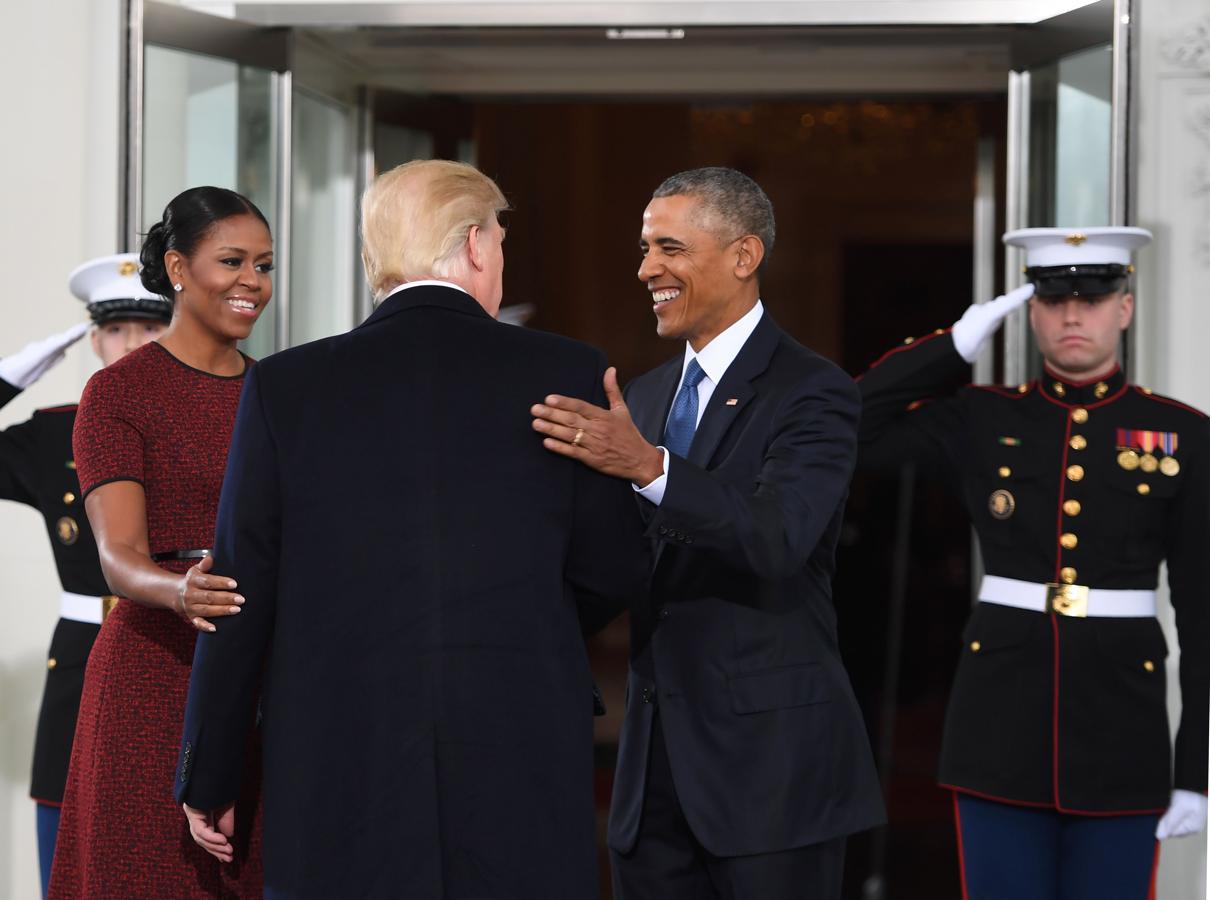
(177, 287)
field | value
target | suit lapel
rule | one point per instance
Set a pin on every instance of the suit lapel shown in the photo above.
(735, 391)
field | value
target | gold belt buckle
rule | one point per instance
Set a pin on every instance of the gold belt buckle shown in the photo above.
(108, 602)
(1067, 600)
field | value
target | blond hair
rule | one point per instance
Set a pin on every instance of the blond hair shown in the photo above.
(415, 218)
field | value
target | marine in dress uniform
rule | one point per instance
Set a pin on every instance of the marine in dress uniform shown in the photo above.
(1079, 485)
(37, 469)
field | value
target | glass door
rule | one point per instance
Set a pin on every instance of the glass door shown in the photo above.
(212, 105)
(1067, 143)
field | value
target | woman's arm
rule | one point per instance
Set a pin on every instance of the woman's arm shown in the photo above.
(117, 512)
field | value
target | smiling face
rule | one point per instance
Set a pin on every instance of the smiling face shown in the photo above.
(1078, 336)
(117, 337)
(226, 282)
(700, 283)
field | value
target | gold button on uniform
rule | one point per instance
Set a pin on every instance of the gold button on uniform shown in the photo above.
(1078, 442)
(1059, 389)
(1144, 489)
(1022, 388)
(1067, 575)
(1079, 415)
(1101, 389)
(1149, 665)
(1005, 471)
(908, 340)
(1072, 507)
(976, 646)
(69, 497)
(1069, 541)
(1075, 473)
(51, 663)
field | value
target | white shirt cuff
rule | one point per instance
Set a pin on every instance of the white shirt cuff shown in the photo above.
(654, 492)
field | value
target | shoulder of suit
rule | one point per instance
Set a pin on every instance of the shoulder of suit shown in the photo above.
(1178, 408)
(806, 362)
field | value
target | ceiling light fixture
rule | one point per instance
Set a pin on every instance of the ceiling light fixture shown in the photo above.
(645, 34)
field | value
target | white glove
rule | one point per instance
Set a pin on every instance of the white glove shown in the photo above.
(981, 320)
(1186, 815)
(32, 361)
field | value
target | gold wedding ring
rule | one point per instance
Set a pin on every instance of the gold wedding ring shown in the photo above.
(575, 441)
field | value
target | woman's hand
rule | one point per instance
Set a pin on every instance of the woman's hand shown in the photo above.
(203, 595)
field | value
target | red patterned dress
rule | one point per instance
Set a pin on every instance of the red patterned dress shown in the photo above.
(151, 419)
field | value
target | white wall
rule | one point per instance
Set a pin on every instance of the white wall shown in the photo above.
(1173, 167)
(59, 88)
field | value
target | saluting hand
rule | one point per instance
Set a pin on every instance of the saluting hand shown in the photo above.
(202, 595)
(603, 439)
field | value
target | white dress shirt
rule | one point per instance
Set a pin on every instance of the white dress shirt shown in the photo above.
(715, 358)
(428, 282)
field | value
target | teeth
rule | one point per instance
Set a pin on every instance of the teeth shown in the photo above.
(665, 295)
(241, 304)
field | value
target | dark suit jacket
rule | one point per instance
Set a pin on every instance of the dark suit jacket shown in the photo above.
(414, 563)
(737, 645)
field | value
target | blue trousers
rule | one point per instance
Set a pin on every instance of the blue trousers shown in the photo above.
(1021, 853)
(48, 832)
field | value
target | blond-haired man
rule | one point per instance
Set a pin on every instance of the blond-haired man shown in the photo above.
(417, 573)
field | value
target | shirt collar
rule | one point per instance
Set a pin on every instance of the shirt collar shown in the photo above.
(429, 282)
(717, 356)
(1081, 393)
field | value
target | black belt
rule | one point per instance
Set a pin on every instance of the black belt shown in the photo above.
(179, 554)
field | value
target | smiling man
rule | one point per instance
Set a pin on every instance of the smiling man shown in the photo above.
(743, 761)
(1078, 485)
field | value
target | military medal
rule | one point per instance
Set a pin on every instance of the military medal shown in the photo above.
(1148, 463)
(1169, 466)
(1001, 504)
(68, 530)
(1128, 460)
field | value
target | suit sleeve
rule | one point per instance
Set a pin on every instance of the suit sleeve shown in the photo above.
(1189, 580)
(18, 456)
(227, 664)
(909, 411)
(771, 530)
(608, 562)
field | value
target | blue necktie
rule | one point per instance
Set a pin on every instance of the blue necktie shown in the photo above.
(682, 422)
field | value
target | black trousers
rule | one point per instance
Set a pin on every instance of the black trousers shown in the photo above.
(668, 863)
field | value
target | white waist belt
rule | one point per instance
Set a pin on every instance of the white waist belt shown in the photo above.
(80, 608)
(1067, 599)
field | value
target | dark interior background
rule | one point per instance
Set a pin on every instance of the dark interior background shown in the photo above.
(874, 205)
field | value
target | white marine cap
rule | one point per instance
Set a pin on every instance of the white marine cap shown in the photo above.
(1047, 247)
(112, 289)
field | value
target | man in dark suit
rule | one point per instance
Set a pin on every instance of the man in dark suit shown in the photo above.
(415, 568)
(744, 761)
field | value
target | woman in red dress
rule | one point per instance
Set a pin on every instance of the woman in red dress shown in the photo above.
(151, 442)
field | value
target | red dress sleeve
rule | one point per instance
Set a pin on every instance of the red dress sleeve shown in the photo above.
(108, 436)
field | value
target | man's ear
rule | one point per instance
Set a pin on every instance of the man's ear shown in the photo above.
(473, 250)
(750, 251)
(1126, 311)
(94, 338)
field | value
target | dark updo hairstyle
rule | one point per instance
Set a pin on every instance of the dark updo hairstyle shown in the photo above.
(187, 219)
